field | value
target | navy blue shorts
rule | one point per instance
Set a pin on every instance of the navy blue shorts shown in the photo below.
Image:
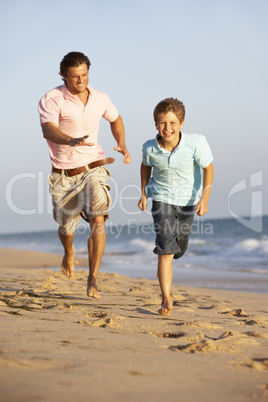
(172, 225)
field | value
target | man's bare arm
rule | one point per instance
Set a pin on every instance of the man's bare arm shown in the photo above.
(52, 133)
(118, 130)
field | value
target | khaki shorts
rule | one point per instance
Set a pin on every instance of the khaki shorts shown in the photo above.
(85, 195)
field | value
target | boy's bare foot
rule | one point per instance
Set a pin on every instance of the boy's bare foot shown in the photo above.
(92, 289)
(164, 311)
(67, 265)
(166, 308)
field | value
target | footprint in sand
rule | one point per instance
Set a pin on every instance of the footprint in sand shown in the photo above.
(34, 305)
(99, 314)
(227, 342)
(84, 322)
(51, 283)
(106, 288)
(236, 313)
(145, 295)
(206, 307)
(178, 297)
(259, 320)
(179, 334)
(110, 322)
(259, 364)
(204, 325)
(256, 334)
(253, 320)
(138, 291)
(150, 301)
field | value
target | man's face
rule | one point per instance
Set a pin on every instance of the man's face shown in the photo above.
(77, 79)
(169, 127)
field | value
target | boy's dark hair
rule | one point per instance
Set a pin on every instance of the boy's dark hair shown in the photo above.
(170, 105)
(73, 59)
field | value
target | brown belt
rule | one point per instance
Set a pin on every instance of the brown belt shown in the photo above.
(82, 169)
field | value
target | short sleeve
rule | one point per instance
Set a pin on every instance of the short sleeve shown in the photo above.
(49, 111)
(110, 113)
(203, 154)
(145, 155)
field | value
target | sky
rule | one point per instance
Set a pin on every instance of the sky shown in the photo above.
(211, 54)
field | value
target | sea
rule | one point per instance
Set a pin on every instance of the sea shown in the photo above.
(227, 254)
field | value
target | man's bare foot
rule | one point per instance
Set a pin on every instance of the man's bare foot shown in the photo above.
(67, 265)
(166, 307)
(92, 289)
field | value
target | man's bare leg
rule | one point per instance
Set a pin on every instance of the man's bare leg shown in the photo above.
(96, 246)
(67, 265)
(165, 279)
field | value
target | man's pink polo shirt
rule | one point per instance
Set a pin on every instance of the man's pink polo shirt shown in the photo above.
(75, 119)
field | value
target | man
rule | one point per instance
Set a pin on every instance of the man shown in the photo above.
(70, 115)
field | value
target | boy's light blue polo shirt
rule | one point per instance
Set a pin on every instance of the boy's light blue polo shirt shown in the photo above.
(176, 177)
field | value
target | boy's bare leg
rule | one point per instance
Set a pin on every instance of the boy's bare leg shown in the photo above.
(67, 265)
(164, 272)
(96, 246)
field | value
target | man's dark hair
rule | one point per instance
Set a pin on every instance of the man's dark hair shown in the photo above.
(73, 59)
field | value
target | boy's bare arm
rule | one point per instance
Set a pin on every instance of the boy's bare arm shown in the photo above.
(145, 176)
(202, 206)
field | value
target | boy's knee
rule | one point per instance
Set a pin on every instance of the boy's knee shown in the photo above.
(183, 245)
(179, 255)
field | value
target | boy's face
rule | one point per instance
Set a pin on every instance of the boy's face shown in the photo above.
(169, 127)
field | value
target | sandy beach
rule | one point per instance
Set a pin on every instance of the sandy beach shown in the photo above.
(59, 345)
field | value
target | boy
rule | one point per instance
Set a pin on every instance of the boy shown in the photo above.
(174, 158)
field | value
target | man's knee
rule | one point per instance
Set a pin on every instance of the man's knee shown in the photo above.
(97, 224)
(98, 220)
